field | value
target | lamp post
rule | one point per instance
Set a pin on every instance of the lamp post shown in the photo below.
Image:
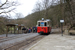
(62, 21)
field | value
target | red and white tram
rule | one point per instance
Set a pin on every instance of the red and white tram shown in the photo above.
(43, 26)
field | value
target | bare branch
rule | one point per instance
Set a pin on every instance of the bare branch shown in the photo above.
(7, 11)
(5, 8)
(4, 3)
(7, 5)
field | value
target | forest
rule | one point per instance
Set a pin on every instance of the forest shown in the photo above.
(55, 10)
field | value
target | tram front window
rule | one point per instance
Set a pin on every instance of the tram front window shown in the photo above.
(42, 23)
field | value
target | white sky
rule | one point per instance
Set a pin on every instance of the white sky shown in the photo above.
(26, 6)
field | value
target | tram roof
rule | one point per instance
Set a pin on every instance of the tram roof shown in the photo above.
(43, 21)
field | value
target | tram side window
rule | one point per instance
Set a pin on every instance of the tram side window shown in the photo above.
(38, 23)
(45, 24)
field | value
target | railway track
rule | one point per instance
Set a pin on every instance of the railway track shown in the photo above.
(11, 38)
(6, 39)
(24, 43)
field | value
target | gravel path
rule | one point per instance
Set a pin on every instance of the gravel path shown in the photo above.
(17, 40)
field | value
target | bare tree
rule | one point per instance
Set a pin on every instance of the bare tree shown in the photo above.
(69, 9)
(19, 15)
(19, 18)
(8, 6)
(46, 5)
(37, 7)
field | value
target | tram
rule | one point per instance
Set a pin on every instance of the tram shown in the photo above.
(43, 26)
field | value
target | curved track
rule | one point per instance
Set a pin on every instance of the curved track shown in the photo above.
(24, 43)
(14, 37)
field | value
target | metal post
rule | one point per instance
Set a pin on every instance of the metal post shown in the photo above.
(7, 32)
(14, 29)
(11, 29)
(62, 29)
(62, 21)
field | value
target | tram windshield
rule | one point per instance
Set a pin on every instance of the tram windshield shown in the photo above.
(42, 23)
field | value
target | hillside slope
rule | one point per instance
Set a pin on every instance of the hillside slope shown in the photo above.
(54, 14)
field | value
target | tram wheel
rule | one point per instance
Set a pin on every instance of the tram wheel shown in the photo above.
(41, 33)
